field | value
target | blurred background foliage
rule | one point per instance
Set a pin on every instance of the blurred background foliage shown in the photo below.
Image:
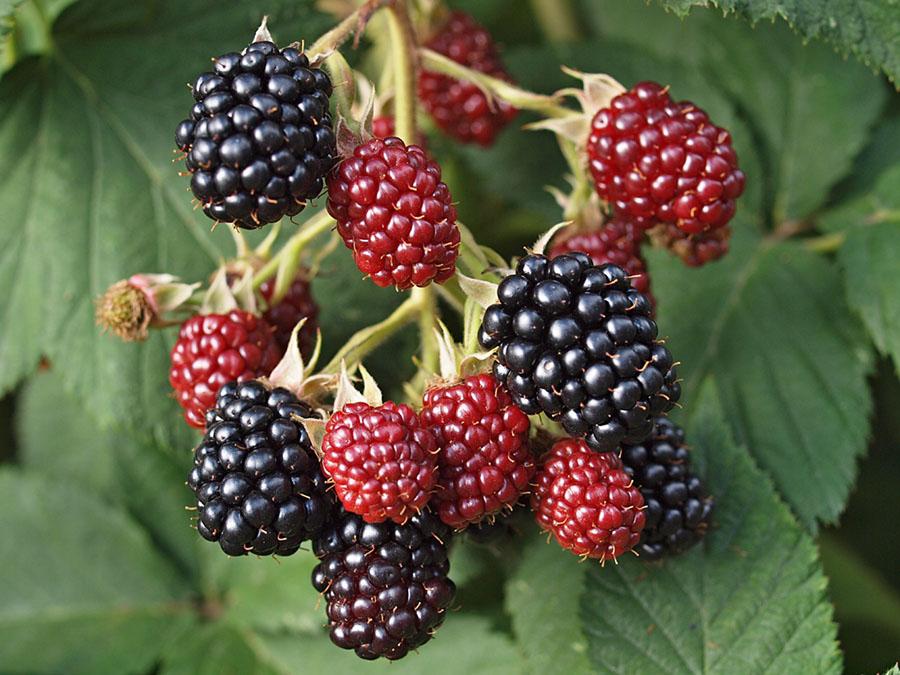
(93, 492)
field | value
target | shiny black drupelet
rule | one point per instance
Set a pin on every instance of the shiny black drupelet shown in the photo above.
(386, 585)
(678, 508)
(258, 483)
(575, 341)
(259, 140)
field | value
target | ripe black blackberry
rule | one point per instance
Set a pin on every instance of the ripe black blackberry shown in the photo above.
(256, 476)
(576, 342)
(386, 584)
(259, 141)
(678, 508)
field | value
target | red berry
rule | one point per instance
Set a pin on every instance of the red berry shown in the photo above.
(383, 127)
(618, 242)
(213, 349)
(654, 158)
(694, 249)
(296, 304)
(483, 460)
(588, 501)
(382, 460)
(395, 214)
(460, 108)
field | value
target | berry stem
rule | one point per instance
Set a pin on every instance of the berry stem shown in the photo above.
(403, 60)
(286, 262)
(426, 319)
(557, 20)
(515, 96)
(826, 243)
(366, 340)
(353, 25)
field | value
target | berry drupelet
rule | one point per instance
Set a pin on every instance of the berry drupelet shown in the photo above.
(395, 214)
(258, 142)
(460, 108)
(587, 501)
(678, 508)
(617, 242)
(576, 341)
(483, 460)
(256, 476)
(213, 349)
(695, 250)
(653, 158)
(381, 460)
(385, 585)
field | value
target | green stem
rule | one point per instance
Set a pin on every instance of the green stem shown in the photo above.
(404, 69)
(286, 262)
(365, 341)
(515, 96)
(430, 355)
(557, 20)
(352, 25)
(826, 243)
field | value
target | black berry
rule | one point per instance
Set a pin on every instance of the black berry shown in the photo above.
(259, 140)
(575, 341)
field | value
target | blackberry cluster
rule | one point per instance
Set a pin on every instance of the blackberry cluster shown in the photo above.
(259, 140)
(256, 476)
(576, 342)
(678, 508)
(386, 585)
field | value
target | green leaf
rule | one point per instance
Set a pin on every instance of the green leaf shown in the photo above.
(89, 183)
(485, 652)
(869, 30)
(770, 321)
(84, 590)
(810, 109)
(544, 613)
(215, 649)
(750, 599)
(130, 473)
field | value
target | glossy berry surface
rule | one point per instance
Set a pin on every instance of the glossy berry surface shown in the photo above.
(617, 242)
(297, 304)
(484, 464)
(695, 250)
(385, 585)
(259, 141)
(256, 476)
(575, 341)
(213, 349)
(460, 108)
(678, 508)
(654, 158)
(395, 214)
(587, 501)
(381, 460)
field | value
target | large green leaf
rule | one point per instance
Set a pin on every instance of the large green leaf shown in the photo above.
(871, 225)
(84, 591)
(542, 596)
(215, 649)
(91, 195)
(750, 599)
(128, 472)
(811, 109)
(770, 322)
(870, 30)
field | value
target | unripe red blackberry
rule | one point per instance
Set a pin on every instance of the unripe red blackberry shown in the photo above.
(483, 460)
(259, 141)
(395, 214)
(694, 250)
(587, 501)
(381, 460)
(617, 242)
(384, 127)
(654, 158)
(678, 509)
(385, 585)
(460, 108)
(213, 349)
(256, 476)
(575, 341)
(297, 304)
